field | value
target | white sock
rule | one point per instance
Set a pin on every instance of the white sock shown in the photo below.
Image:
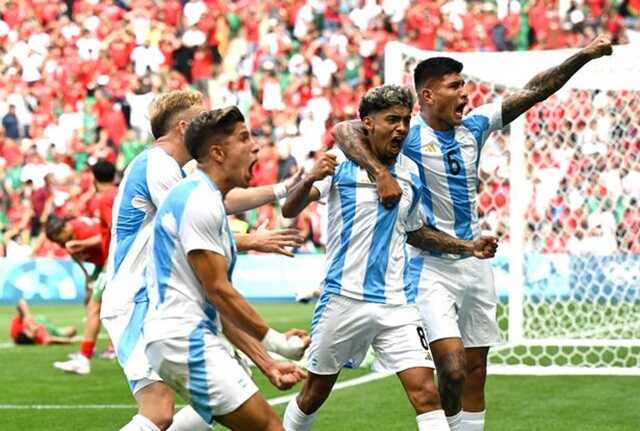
(432, 421)
(295, 419)
(473, 421)
(455, 422)
(187, 419)
(140, 423)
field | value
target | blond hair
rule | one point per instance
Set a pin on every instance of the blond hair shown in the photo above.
(164, 108)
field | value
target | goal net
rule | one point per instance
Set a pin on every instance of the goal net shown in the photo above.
(560, 187)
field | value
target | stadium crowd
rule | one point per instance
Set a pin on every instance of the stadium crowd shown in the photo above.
(78, 76)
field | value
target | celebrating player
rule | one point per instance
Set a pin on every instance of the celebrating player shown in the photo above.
(457, 298)
(192, 257)
(146, 182)
(368, 298)
(104, 174)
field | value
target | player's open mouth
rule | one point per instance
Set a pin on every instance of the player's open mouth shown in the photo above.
(459, 111)
(251, 168)
(396, 142)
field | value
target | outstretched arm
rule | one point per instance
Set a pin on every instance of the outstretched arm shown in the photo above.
(269, 241)
(546, 83)
(350, 138)
(430, 239)
(239, 200)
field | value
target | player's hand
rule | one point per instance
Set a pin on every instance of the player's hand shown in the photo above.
(599, 47)
(276, 241)
(485, 247)
(324, 166)
(74, 246)
(298, 341)
(388, 189)
(284, 375)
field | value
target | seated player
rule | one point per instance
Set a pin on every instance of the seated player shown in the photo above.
(368, 297)
(82, 238)
(192, 254)
(26, 328)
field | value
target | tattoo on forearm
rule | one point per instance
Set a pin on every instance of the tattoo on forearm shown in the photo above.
(429, 239)
(351, 140)
(540, 87)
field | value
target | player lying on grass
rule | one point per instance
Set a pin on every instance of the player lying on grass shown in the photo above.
(192, 257)
(25, 328)
(147, 181)
(456, 297)
(368, 297)
(104, 174)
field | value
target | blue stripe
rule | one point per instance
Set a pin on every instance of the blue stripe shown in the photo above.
(164, 242)
(413, 149)
(412, 273)
(132, 332)
(129, 219)
(198, 386)
(319, 310)
(477, 125)
(211, 312)
(374, 278)
(458, 186)
(345, 179)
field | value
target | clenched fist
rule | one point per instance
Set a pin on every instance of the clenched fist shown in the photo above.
(599, 47)
(325, 165)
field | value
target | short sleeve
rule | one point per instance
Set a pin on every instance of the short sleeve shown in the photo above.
(203, 227)
(163, 172)
(483, 120)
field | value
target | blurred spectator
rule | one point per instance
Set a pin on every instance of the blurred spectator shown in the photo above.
(10, 123)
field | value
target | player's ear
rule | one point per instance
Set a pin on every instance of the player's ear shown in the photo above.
(367, 123)
(216, 152)
(426, 95)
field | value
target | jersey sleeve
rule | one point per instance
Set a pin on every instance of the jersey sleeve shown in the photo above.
(163, 172)
(203, 226)
(483, 120)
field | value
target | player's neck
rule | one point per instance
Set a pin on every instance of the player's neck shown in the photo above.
(219, 177)
(434, 122)
(175, 147)
(386, 161)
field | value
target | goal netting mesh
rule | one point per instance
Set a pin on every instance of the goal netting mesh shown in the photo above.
(560, 187)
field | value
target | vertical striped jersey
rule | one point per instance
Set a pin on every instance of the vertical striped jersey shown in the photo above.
(192, 217)
(366, 255)
(146, 182)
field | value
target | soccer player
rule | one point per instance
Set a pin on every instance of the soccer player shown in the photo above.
(146, 182)
(104, 173)
(25, 328)
(192, 257)
(456, 296)
(368, 297)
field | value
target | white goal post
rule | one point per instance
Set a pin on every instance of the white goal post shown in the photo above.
(561, 187)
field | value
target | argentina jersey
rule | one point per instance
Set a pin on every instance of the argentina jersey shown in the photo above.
(366, 253)
(192, 217)
(146, 182)
(448, 164)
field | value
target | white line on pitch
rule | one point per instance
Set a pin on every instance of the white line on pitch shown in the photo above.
(273, 401)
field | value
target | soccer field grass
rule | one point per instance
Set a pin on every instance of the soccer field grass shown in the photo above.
(35, 396)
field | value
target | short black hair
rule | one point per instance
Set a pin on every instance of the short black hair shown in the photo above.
(384, 97)
(434, 67)
(218, 123)
(54, 226)
(23, 338)
(104, 171)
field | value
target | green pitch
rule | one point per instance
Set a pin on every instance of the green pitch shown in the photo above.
(35, 396)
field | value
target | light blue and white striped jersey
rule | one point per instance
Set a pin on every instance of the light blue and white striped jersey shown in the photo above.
(192, 217)
(448, 163)
(146, 182)
(366, 253)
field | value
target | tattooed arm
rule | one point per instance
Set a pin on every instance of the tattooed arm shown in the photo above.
(546, 83)
(350, 138)
(430, 239)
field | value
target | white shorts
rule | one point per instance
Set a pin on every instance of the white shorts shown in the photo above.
(343, 329)
(457, 299)
(125, 331)
(202, 371)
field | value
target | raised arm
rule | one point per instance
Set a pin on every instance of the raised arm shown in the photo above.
(430, 239)
(305, 193)
(211, 270)
(546, 83)
(350, 138)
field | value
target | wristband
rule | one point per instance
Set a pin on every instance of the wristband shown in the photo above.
(291, 348)
(280, 191)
